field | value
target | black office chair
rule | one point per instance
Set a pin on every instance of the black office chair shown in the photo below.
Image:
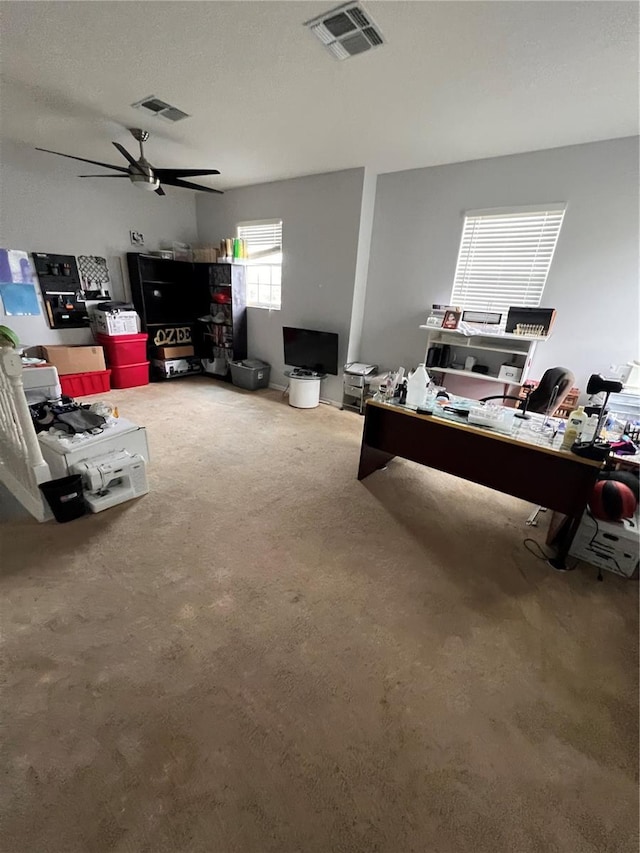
(552, 391)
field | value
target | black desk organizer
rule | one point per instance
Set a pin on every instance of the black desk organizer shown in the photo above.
(60, 287)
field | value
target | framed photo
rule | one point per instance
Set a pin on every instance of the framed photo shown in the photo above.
(451, 319)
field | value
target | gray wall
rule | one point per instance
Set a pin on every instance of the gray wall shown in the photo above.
(593, 282)
(416, 230)
(321, 221)
(362, 264)
(45, 207)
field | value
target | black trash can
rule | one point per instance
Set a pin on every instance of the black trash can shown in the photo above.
(65, 497)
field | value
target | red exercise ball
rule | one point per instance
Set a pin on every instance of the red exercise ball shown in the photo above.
(612, 501)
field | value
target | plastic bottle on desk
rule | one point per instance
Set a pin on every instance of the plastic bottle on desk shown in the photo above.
(590, 428)
(575, 425)
(417, 386)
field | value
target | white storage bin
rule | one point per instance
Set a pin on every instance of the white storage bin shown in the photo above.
(41, 383)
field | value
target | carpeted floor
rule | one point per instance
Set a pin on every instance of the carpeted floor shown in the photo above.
(265, 656)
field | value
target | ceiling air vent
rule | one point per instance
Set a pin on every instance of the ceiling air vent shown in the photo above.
(346, 30)
(158, 107)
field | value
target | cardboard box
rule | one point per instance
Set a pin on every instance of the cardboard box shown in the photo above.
(115, 322)
(74, 359)
(205, 255)
(175, 352)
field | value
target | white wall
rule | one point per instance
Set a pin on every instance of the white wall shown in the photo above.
(321, 222)
(593, 282)
(45, 207)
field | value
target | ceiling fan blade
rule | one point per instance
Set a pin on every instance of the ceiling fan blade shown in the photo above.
(175, 182)
(184, 173)
(159, 191)
(83, 160)
(127, 156)
(103, 176)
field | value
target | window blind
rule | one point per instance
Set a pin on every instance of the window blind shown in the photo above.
(264, 240)
(505, 257)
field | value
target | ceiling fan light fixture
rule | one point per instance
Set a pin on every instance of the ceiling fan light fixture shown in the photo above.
(145, 182)
(140, 172)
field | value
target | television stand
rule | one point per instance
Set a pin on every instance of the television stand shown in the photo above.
(304, 388)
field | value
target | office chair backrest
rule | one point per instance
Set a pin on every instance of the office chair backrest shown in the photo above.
(541, 396)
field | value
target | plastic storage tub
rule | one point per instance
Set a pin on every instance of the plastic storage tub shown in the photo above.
(130, 375)
(124, 350)
(84, 384)
(250, 373)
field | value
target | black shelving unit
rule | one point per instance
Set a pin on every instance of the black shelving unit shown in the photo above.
(223, 337)
(171, 296)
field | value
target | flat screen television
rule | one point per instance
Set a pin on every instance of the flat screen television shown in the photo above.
(311, 350)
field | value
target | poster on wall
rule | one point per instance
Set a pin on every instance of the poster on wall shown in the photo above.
(17, 289)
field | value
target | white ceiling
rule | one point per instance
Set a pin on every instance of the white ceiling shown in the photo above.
(456, 81)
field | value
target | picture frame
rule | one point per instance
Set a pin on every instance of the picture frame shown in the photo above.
(451, 319)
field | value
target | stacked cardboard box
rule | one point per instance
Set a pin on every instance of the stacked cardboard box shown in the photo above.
(82, 370)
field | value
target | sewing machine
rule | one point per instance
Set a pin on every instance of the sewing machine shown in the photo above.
(112, 479)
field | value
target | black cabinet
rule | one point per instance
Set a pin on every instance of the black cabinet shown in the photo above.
(163, 292)
(184, 303)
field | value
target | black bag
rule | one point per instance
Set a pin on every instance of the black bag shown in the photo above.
(80, 420)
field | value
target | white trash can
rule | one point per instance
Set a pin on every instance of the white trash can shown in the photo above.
(304, 392)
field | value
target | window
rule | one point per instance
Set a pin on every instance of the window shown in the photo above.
(264, 262)
(505, 256)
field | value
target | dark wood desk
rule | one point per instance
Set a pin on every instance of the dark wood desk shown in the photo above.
(552, 478)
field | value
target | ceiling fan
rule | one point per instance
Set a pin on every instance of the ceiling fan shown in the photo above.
(141, 173)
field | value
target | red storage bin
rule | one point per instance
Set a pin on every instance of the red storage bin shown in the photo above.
(84, 384)
(124, 350)
(130, 375)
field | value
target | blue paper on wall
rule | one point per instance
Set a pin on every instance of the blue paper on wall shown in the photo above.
(19, 299)
(17, 290)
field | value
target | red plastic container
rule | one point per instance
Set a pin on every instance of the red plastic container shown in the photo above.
(124, 350)
(130, 375)
(84, 384)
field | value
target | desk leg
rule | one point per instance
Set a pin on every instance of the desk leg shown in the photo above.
(372, 460)
(562, 541)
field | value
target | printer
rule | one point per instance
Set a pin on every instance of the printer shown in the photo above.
(112, 479)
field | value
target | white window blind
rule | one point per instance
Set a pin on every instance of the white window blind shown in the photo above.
(505, 257)
(264, 262)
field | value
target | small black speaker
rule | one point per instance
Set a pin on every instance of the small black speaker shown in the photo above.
(433, 357)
